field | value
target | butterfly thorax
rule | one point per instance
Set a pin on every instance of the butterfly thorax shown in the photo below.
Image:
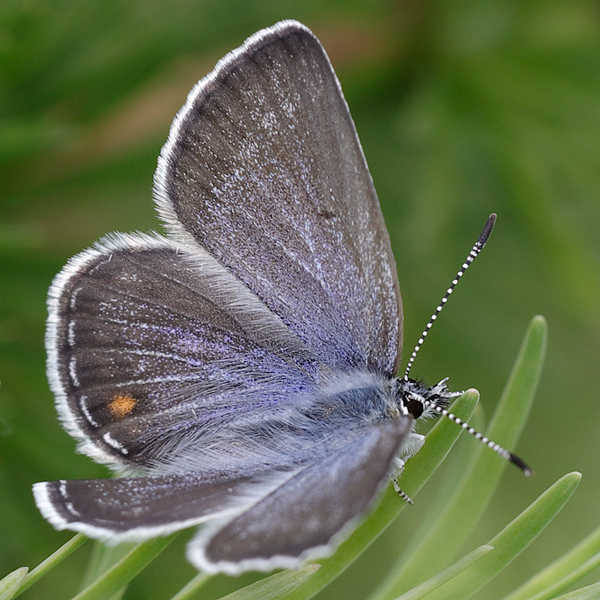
(362, 397)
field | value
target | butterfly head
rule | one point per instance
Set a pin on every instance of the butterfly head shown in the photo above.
(420, 401)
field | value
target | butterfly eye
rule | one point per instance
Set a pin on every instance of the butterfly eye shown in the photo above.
(415, 408)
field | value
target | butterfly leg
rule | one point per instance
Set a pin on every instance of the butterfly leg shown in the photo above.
(412, 445)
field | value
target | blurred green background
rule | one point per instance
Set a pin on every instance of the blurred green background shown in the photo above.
(463, 108)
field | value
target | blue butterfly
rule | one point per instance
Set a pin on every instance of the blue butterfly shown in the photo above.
(241, 371)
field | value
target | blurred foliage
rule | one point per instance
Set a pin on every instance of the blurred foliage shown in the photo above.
(463, 108)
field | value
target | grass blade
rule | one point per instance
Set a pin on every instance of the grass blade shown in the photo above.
(450, 573)
(512, 540)
(562, 573)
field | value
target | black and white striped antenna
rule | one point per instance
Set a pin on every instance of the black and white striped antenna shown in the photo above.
(475, 251)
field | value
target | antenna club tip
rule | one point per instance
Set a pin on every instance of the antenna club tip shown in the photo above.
(487, 230)
(521, 464)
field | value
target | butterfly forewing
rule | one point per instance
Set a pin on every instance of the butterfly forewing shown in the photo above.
(264, 169)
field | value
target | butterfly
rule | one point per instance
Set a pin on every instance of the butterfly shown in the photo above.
(239, 373)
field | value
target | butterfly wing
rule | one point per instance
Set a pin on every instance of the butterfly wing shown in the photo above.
(309, 514)
(154, 352)
(138, 508)
(261, 522)
(263, 168)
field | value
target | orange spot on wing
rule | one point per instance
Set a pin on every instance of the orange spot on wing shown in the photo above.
(121, 405)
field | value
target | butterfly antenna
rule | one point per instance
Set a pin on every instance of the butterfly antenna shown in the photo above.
(477, 248)
(506, 454)
(503, 452)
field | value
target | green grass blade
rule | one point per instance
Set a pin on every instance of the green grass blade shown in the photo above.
(512, 540)
(120, 574)
(103, 558)
(52, 561)
(568, 581)
(276, 586)
(450, 573)
(454, 471)
(591, 592)
(562, 573)
(190, 589)
(10, 584)
(452, 526)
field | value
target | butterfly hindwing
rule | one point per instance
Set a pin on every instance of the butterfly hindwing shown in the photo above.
(139, 508)
(308, 514)
(260, 522)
